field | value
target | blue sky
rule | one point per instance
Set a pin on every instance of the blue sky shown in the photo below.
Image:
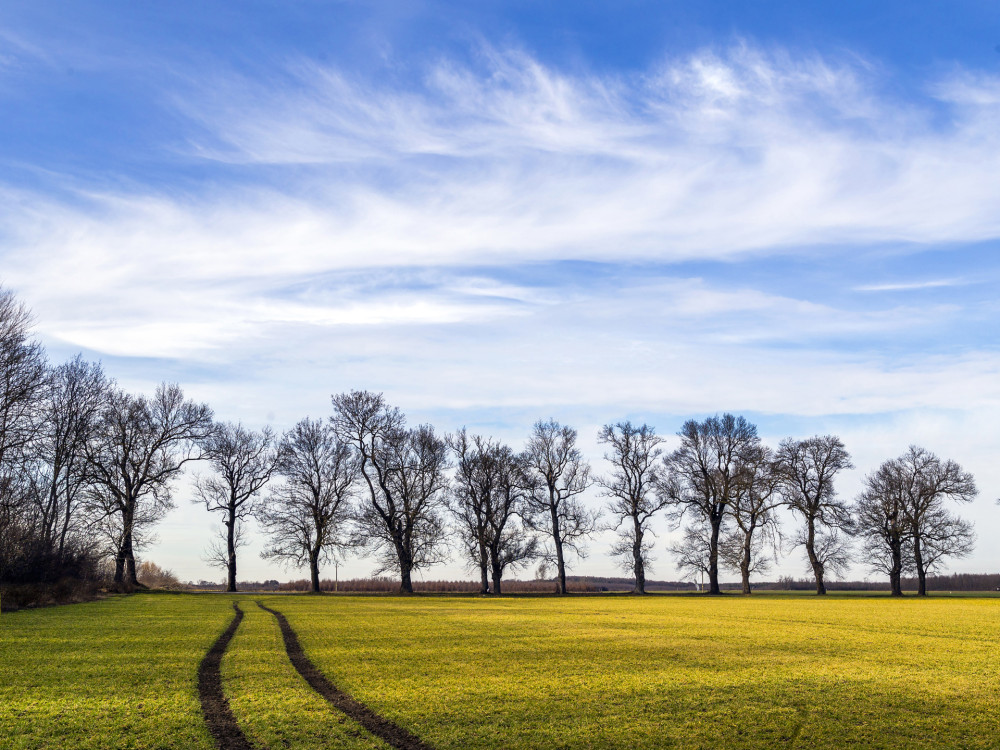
(496, 212)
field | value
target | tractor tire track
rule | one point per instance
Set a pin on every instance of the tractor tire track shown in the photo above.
(390, 733)
(221, 722)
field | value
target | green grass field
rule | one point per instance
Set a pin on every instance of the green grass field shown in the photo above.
(579, 672)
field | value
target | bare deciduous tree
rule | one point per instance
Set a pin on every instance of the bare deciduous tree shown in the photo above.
(929, 481)
(140, 445)
(750, 546)
(488, 498)
(305, 518)
(242, 462)
(881, 523)
(634, 486)
(75, 394)
(404, 473)
(808, 468)
(692, 554)
(703, 475)
(559, 474)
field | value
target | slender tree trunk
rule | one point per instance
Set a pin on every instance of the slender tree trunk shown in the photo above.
(557, 542)
(713, 556)
(918, 558)
(125, 561)
(314, 569)
(745, 562)
(484, 573)
(231, 550)
(896, 570)
(814, 561)
(637, 563)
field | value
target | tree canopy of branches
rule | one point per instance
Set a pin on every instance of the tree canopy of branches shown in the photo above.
(559, 474)
(880, 522)
(634, 486)
(808, 468)
(404, 473)
(242, 462)
(935, 533)
(305, 517)
(750, 546)
(140, 445)
(704, 475)
(488, 498)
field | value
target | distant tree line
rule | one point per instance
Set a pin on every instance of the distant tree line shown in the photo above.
(87, 469)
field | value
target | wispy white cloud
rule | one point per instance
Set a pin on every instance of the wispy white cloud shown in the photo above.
(906, 286)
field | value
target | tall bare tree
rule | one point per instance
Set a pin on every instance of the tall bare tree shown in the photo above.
(242, 462)
(704, 473)
(635, 488)
(929, 482)
(881, 524)
(23, 385)
(404, 473)
(488, 497)
(75, 394)
(808, 468)
(559, 474)
(139, 447)
(750, 546)
(306, 517)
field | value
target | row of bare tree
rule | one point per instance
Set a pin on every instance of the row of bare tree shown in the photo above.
(87, 469)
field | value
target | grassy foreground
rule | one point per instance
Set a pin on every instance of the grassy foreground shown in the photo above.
(586, 672)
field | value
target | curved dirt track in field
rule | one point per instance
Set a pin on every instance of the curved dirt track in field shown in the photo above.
(221, 722)
(390, 733)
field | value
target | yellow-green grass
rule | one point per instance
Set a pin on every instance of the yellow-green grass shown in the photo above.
(666, 671)
(274, 706)
(119, 673)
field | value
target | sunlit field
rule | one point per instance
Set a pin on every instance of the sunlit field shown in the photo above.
(578, 672)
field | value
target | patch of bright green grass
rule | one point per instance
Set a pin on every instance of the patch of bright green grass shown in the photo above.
(275, 707)
(119, 673)
(654, 672)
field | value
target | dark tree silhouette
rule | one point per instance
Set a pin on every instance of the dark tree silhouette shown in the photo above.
(139, 447)
(559, 475)
(305, 518)
(808, 468)
(703, 476)
(635, 488)
(749, 547)
(404, 473)
(242, 462)
(934, 533)
(881, 524)
(488, 498)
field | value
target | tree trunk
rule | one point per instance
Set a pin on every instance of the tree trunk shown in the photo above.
(557, 542)
(484, 573)
(314, 570)
(405, 584)
(918, 558)
(497, 575)
(713, 556)
(231, 552)
(745, 563)
(814, 561)
(896, 570)
(637, 563)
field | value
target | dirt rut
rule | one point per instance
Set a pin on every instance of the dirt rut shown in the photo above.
(221, 722)
(392, 734)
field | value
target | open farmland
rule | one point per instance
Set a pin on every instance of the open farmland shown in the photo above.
(582, 672)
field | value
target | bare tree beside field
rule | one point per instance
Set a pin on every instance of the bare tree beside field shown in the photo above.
(935, 533)
(634, 486)
(404, 473)
(808, 468)
(703, 476)
(881, 523)
(242, 462)
(749, 547)
(559, 475)
(488, 497)
(305, 518)
(139, 447)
